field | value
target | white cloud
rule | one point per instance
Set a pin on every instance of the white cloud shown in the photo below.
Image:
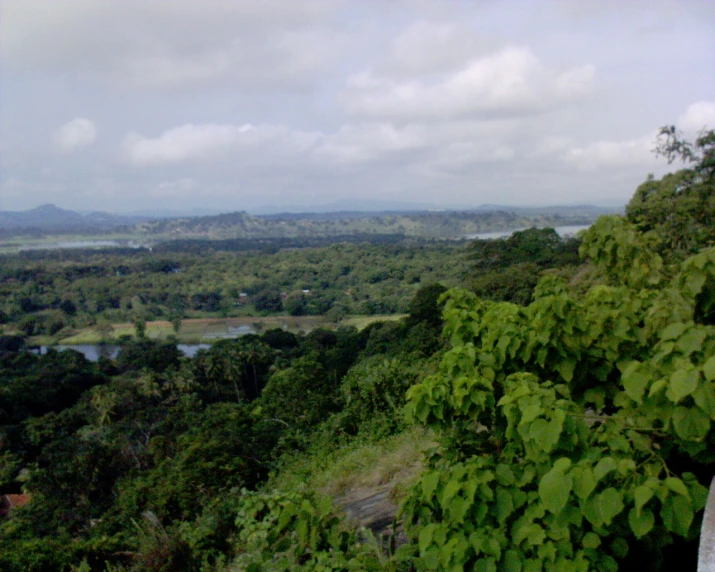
(371, 141)
(427, 47)
(74, 134)
(465, 155)
(510, 82)
(613, 153)
(446, 144)
(187, 142)
(292, 101)
(697, 116)
(170, 45)
(634, 152)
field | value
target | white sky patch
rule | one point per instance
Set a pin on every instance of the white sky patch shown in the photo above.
(510, 82)
(614, 153)
(175, 189)
(372, 141)
(177, 45)
(462, 156)
(698, 116)
(74, 134)
(429, 47)
(185, 143)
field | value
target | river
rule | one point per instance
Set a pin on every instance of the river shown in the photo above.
(563, 231)
(94, 351)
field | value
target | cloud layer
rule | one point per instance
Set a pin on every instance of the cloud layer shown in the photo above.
(507, 83)
(234, 105)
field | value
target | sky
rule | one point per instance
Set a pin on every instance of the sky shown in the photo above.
(245, 104)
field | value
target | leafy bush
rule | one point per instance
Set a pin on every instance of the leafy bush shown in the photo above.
(298, 531)
(577, 432)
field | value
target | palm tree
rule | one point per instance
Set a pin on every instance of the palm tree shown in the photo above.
(103, 402)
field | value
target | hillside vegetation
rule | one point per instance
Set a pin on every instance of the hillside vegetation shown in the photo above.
(49, 223)
(454, 224)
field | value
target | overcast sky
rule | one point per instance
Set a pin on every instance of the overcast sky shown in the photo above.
(236, 104)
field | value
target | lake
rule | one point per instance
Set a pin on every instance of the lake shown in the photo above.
(563, 231)
(94, 351)
(95, 244)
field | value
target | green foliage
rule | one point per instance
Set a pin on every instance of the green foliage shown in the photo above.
(295, 531)
(575, 427)
(299, 396)
(514, 284)
(680, 207)
(144, 353)
(424, 306)
(540, 246)
(373, 395)
(577, 432)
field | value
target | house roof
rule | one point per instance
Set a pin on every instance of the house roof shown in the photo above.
(14, 501)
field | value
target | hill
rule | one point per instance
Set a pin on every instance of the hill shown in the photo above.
(447, 224)
(50, 219)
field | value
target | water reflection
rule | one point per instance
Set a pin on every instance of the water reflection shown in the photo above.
(562, 231)
(94, 351)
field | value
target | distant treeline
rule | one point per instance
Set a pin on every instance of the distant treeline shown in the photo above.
(273, 245)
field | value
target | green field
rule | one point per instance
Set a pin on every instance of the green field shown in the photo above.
(203, 330)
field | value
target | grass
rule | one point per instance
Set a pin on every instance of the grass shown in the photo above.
(204, 330)
(396, 460)
(361, 322)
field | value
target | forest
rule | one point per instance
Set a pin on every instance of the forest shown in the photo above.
(543, 405)
(51, 295)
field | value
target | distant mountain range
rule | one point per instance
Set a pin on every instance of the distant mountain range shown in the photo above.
(371, 206)
(51, 217)
(435, 223)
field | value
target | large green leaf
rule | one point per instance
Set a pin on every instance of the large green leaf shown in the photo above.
(642, 495)
(585, 483)
(426, 535)
(610, 503)
(554, 490)
(603, 467)
(641, 523)
(677, 514)
(691, 341)
(504, 504)
(681, 384)
(691, 423)
(709, 369)
(635, 381)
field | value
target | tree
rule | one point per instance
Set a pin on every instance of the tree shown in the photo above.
(176, 323)
(140, 327)
(268, 300)
(540, 246)
(513, 284)
(104, 329)
(424, 306)
(680, 207)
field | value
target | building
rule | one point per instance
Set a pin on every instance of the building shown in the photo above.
(9, 502)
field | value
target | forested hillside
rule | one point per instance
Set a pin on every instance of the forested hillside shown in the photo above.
(555, 409)
(52, 223)
(451, 224)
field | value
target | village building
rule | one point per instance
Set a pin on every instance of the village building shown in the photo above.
(9, 502)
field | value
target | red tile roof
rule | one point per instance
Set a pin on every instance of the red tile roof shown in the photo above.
(12, 501)
(17, 500)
